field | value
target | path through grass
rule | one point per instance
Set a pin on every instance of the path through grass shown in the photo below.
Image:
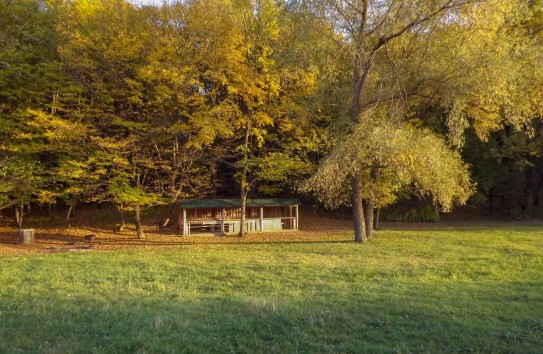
(469, 291)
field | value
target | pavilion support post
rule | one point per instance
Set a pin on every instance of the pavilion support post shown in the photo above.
(180, 223)
(297, 218)
(261, 219)
(222, 221)
(185, 229)
(290, 220)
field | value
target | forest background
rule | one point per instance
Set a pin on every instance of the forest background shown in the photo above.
(354, 103)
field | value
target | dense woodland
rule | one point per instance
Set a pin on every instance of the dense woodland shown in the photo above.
(354, 103)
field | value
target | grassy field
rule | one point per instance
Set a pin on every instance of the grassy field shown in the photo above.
(469, 290)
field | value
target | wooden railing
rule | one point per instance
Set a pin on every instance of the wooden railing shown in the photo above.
(231, 226)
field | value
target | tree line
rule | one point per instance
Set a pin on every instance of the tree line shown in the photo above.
(354, 102)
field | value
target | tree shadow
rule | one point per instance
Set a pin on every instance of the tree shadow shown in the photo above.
(392, 321)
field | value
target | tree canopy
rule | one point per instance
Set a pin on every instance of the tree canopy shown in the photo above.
(356, 103)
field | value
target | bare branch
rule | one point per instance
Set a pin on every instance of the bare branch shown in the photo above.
(450, 4)
(8, 204)
(342, 14)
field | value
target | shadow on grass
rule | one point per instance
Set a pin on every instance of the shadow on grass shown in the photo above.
(143, 243)
(324, 322)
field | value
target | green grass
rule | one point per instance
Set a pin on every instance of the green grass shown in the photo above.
(454, 291)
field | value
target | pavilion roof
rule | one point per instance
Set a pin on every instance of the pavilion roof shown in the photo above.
(236, 203)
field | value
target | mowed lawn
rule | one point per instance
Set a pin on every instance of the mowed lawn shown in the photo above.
(470, 290)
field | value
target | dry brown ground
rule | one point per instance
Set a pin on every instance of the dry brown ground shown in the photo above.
(313, 228)
(60, 238)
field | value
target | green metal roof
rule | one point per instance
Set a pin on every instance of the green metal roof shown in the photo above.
(236, 203)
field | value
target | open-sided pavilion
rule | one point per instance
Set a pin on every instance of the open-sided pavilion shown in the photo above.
(222, 216)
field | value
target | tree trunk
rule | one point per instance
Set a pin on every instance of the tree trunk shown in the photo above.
(242, 224)
(19, 213)
(358, 210)
(540, 194)
(530, 190)
(123, 220)
(71, 209)
(69, 213)
(490, 200)
(167, 217)
(356, 88)
(137, 216)
(73, 204)
(369, 204)
(244, 185)
(368, 217)
(377, 217)
(356, 198)
(51, 211)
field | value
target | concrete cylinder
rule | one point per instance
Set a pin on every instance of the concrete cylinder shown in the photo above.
(26, 236)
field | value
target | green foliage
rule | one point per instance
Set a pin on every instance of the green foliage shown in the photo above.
(409, 157)
(129, 197)
(20, 182)
(507, 168)
(410, 212)
(277, 170)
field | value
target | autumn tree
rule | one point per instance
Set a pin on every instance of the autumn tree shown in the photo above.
(256, 109)
(105, 48)
(142, 73)
(406, 156)
(427, 57)
(370, 28)
(495, 88)
(36, 98)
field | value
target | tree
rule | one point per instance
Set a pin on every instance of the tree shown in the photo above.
(257, 105)
(370, 28)
(19, 184)
(104, 50)
(500, 95)
(508, 166)
(426, 57)
(36, 97)
(406, 157)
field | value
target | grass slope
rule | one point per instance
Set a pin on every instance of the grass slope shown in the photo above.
(464, 291)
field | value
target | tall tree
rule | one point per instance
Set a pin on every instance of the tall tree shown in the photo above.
(407, 157)
(425, 57)
(266, 127)
(35, 100)
(105, 48)
(370, 27)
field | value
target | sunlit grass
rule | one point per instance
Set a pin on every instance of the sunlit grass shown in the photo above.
(468, 290)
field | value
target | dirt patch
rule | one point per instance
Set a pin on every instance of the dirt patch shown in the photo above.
(73, 239)
(313, 228)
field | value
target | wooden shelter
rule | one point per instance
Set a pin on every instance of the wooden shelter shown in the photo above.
(222, 216)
